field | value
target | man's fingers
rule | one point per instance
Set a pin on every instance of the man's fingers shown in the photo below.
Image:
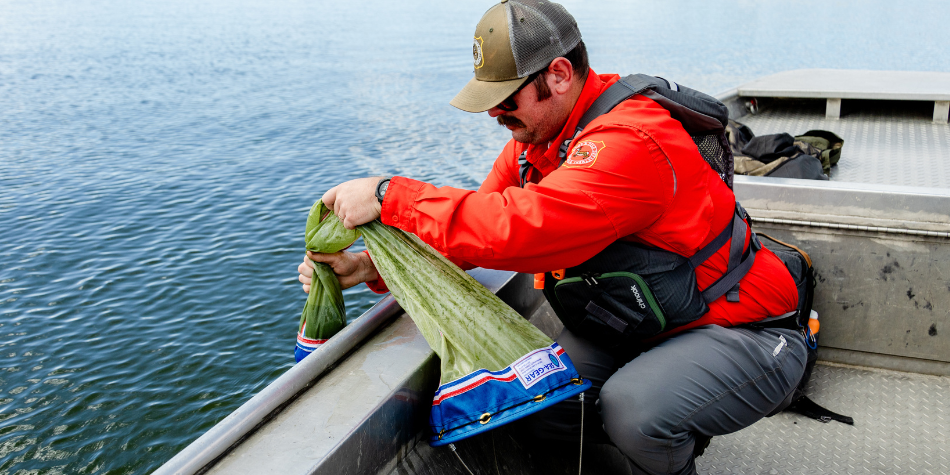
(324, 258)
(329, 198)
(354, 201)
(305, 269)
(306, 288)
(349, 267)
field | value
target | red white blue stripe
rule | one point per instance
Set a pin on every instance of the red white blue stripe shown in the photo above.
(482, 376)
(305, 345)
(484, 399)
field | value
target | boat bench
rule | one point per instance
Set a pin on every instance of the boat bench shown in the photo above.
(835, 85)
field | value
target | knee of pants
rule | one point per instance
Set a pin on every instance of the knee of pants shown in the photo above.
(629, 417)
(634, 426)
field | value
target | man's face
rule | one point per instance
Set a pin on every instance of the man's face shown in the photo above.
(534, 122)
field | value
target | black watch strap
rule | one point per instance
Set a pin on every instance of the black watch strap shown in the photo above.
(381, 189)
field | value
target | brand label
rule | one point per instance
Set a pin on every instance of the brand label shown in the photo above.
(636, 293)
(585, 153)
(781, 344)
(536, 366)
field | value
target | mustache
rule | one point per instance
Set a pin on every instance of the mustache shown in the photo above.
(504, 120)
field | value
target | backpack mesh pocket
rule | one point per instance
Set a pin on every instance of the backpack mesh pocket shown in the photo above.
(716, 151)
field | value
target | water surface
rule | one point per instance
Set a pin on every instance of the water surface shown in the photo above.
(158, 159)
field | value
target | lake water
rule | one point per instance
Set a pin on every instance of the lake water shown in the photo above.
(158, 159)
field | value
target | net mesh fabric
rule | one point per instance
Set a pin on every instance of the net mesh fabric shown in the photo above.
(540, 31)
(715, 150)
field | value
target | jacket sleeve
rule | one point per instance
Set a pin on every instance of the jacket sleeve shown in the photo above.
(504, 173)
(572, 214)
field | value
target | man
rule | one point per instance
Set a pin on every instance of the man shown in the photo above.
(633, 175)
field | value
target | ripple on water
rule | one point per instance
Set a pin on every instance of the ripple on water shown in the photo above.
(156, 168)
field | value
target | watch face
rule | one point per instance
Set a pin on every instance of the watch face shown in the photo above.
(381, 189)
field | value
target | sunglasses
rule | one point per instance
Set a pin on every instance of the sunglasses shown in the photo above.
(509, 104)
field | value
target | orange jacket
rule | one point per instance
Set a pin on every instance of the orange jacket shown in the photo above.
(633, 174)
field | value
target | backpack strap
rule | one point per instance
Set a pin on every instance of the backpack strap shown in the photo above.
(712, 119)
(524, 167)
(809, 408)
(796, 248)
(701, 114)
(739, 262)
(620, 91)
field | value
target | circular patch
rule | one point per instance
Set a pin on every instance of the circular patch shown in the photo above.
(477, 52)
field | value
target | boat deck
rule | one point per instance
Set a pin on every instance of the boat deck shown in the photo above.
(836, 85)
(902, 425)
(885, 142)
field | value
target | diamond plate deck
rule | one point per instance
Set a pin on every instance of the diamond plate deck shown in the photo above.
(884, 142)
(902, 425)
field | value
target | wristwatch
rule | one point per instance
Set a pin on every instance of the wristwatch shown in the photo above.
(381, 188)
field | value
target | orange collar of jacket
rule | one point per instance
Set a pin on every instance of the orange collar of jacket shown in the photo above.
(544, 157)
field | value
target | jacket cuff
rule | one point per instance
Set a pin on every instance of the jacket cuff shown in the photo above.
(377, 286)
(399, 202)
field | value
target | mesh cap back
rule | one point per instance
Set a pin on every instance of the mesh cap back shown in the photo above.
(539, 31)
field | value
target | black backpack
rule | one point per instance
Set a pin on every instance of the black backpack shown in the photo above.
(706, 120)
(799, 265)
(629, 292)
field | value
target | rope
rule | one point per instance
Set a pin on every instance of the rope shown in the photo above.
(452, 446)
(580, 459)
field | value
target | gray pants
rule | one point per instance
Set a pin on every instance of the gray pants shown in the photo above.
(709, 380)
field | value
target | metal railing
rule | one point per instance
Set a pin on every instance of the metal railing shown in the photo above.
(231, 430)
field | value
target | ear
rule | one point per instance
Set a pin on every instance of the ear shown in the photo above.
(560, 76)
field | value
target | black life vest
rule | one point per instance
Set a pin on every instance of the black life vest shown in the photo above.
(629, 291)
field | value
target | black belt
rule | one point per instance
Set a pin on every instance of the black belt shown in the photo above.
(789, 323)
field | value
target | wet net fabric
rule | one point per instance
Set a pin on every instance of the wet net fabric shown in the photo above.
(539, 31)
(495, 366)
(324, 314)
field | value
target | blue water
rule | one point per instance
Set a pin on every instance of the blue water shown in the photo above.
(158, 158)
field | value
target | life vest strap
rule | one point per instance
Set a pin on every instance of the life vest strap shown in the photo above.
(524, 167)
(740, 260)
(700, 115)
(728, 284)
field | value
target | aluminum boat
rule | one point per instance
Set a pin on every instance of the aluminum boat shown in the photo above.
(878, 232)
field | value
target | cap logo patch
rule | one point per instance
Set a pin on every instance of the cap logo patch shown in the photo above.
(477, 52)
(585, 153)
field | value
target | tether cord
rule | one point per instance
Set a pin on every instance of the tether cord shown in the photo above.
(580, 459)
(452, 446)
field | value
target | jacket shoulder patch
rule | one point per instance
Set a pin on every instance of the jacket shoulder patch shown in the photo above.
(584, 154)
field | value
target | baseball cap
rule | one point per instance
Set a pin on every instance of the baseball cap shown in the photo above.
(513, 40)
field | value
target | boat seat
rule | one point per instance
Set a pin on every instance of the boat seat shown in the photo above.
(835, 85)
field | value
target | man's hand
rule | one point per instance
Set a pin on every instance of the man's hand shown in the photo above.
(351, 268)
(354, 201)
